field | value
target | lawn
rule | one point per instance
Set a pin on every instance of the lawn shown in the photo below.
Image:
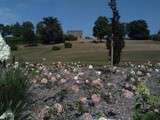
(89, 53)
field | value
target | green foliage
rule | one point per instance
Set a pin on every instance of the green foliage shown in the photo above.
(70, 38)
(6, 30)
(143, 90)
(101, 27)
(50, 31)
(80, 107)
(144, 99)
(13, 42)
(68, 45)
(17, 30)
(138, 30)
(147, 116)
(28, 33)
(55, 48)
(13, 47)
(13, 86)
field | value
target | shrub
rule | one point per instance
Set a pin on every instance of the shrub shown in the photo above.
(146, 104)
(12, 42)
(15, 40)
(70, 38)
(13, 86)
(13, 47)
(68, 45)
(55, 48)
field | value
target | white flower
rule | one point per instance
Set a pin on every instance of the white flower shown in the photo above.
(102, 118)
(81, 74)
(114, 69)
(132, 72)
(90, 67)
(78, 82)
(156, 70)
(76, 77)
(7, 115)
(16, 64)
(139, 73)
(87, 81)
(44, 81)
(148, 74)
(98, 72)
(4, 50)
(44, 59)
(158, 64)
(132, 79)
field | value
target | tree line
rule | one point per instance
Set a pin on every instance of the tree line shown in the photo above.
(47, 31)
(135, 30)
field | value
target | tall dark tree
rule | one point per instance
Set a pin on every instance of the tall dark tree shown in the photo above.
(40, 32)
(101, 27)
(116, 41)
(17, 30)
(50, 30)
(138, 30)
(28, 33)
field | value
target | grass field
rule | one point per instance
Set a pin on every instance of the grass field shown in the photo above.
(90, 53)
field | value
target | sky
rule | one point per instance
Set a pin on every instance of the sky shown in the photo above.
(79, 14)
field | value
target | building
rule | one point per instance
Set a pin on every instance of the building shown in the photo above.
(76, 33)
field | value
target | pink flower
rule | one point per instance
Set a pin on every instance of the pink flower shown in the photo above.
(75, 88)
(97, 83)
(83, 100)
(59, 108)
(87, 116)
(96, 98)
(127, 93)
(44, 81)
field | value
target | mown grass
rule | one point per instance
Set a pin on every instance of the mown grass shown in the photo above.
(90, 53)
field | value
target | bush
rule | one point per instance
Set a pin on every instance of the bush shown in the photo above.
(13, 86)
(15, 40)
(70, 38)
(13, 47)
(55, 48)
(68, 45)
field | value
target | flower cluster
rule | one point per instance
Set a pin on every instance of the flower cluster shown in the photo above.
(4, 50)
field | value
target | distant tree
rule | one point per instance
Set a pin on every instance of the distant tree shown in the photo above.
(28, 33)
(40, 32)
(138, 30)
(1, 27)
(155, 37)
(7, 30)
(101, 27)
(70, 38)
(17, 30)
(50, 30)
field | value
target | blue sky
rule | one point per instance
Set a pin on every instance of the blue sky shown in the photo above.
(79, 14)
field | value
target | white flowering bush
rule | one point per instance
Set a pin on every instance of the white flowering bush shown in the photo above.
(4, 50)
